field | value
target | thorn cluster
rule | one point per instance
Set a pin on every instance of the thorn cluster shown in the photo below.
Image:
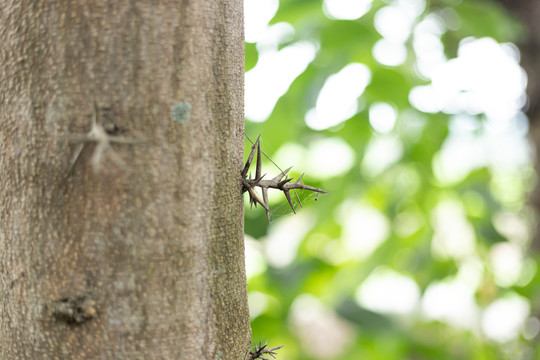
(280, 182)
(260, 350)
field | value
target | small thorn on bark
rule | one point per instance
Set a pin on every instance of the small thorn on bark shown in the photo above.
(101, 134)
(75, 309)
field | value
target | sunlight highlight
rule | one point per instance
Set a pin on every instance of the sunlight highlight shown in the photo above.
(382, 117)
(484, 78)
(381, 152)
(364, 229)
(257, 14)
(255, 261)
(322, 334)
(454, 236)
(452, 300)
(427, 45)
(258, 303)
(338, 98)
(389, 53)
(504, 319)
(284, 238)
(329, 157)
(507, 263)
(346, 9)
(272, 77)
(394, 22)
(322, 158)
(389, 292)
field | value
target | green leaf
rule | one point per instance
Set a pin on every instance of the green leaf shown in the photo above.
(252, 56)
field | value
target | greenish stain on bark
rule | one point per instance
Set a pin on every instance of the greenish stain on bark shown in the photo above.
(181, 112)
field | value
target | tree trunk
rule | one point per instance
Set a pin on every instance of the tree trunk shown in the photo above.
(528, 11)
(121, 217)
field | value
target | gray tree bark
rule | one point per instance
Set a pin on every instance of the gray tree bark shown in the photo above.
(528, 11)
(121, 217)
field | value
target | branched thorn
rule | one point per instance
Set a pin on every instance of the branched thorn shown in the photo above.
(280, 182)
(260, 350)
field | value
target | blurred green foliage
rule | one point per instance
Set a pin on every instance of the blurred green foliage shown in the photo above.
(310, 303)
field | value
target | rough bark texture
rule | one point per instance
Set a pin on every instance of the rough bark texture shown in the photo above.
(529, 12)
(134, 252)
